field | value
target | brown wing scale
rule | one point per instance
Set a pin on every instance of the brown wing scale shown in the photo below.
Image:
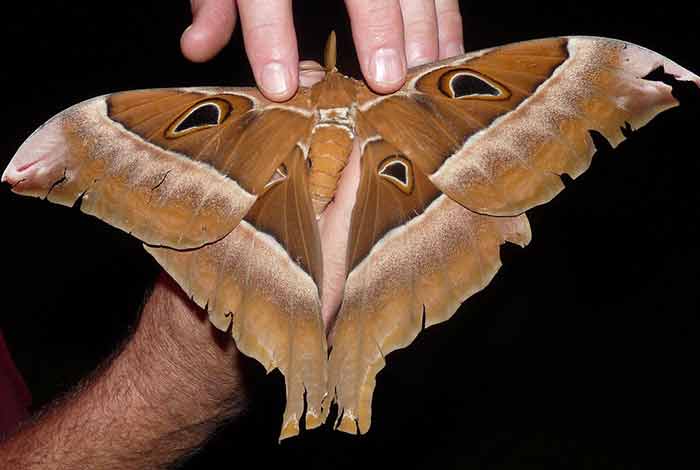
(180, 169)
(261, 280)
(414, 256)
(501, 153)
(116, 154)
(487, 135)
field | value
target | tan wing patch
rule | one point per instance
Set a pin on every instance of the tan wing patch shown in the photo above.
(160, 196)
(426, 267)
(493, 130)
(443, 105)
(390, 193)
(174, 167)
(411, 253)
(514, 164)
(228, 131)
(262, 281)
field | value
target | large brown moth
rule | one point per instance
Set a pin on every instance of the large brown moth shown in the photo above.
(225, 190)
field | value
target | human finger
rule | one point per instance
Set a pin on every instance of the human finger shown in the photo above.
(449, 20)
(271, 44)
(212, 25)
(420, 31)
(377, 30)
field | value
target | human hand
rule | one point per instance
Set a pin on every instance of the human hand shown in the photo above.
(390, 36)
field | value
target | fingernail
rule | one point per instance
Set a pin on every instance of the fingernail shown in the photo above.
(387, 66)
(454, 48)
(186, 31)
(275, 79)
(415, 54)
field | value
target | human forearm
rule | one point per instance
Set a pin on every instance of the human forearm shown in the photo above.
(159, 398)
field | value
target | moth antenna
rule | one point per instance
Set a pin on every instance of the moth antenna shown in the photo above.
(330, 53)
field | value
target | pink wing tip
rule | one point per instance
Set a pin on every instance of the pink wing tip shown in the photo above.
(644, 61)
(680, 73)
(17, 171)
(39, 162)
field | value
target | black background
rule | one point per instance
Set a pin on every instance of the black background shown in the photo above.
(582, 351)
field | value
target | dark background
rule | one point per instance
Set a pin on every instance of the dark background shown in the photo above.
(582, 352)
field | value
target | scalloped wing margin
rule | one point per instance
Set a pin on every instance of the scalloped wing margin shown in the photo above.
(420, 272)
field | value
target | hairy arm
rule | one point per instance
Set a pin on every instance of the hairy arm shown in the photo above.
(154, 403)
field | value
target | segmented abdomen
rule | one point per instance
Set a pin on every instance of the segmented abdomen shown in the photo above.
(330, 148)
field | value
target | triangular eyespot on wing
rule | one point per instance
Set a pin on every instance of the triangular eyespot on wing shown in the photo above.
(399, 171)
(463, 83)
(207, 113)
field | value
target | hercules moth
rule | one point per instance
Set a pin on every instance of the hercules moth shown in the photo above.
(243, 200)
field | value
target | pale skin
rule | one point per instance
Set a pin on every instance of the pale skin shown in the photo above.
(177, 378)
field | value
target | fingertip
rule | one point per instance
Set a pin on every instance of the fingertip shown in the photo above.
(420, 31)
(196, 44)
(420, 53)
(277, 81)
(270, 41)
(449, 19)
(386, 70)
(453, 48)
(211, 29)
(377, 30)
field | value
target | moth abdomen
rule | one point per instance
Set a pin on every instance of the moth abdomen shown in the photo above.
(329, 151)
